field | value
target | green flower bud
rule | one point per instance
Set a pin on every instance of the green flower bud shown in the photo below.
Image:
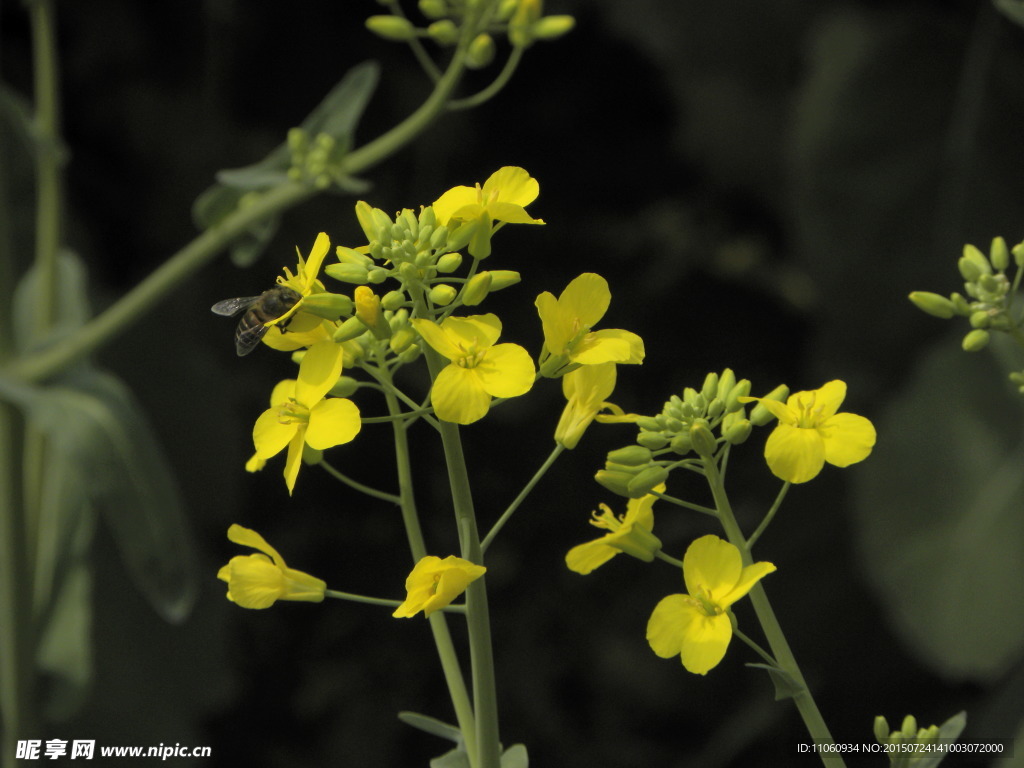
(882, 729)
(442, 295)
(644, 481)
(999, 254)
(476, 289)
(480, 52)
(736, 430)
(725, 383)
(392, 300)
(346, 386)
(710, 389)
(444, 32)
(933, 304)
(329, 306)
(378, 275)
(759, 415)
(980, 319)
(553, 27)
(410, 354)
(960, 305)
(503, 278)
(1018, 254)
(350, 329)
(655, 441)
(391, 28)
(681, 443)
(352, 256)
(449, 262)
(433, 9)
(649, 423)
(401, 340)
(459, 237)
(715, 408)
(631, 456)
(616, 482)
(973, 264)
(439, 238)
(702, 439)
(732, 399)
(976, 340)
(909, 728)
(348, 273)
(990, 283)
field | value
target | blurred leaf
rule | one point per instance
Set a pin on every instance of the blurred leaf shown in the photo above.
(949, 732)
(1012, 9)
(785, 686)
(515, 757)
(939, 512)
(431, 725)
(16, 112)
(72, 309)
(337, 115)
(455, 758)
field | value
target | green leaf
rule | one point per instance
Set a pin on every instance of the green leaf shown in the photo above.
(939, 514)
(1012, 9)
(431, 725)
(785, 686)
(515, 757)
(72, 308)
(455, 758)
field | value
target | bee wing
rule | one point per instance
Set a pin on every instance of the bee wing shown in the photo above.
(248, 338)
(231, 307)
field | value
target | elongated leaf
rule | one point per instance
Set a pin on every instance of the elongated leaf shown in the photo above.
(431, 725)
(515, 757)
(940, 515)
(1012, 9)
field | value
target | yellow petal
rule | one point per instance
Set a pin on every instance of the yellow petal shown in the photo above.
(473, 332)
(558, 331)
(270, 436)
(452, 200)
(294, 460)
(511, 213)
(587, 298)
(584, 558)
(748, 578)
(318, 372)
(711, 565)
(705, 641)
(249, 538)
(829, 398)
(253, 581)
(640, 512)
(590, 385)
(780, 411)
(513, 185)
(506, 371)
(848, 439)
(670, 620)
(283, 392)
(458, 396)
(456, 574)
(316, 258)
(794, 454)
(610, 345)
(439, 341)
(332, 422)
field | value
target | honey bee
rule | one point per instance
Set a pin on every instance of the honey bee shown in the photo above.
(259, 310)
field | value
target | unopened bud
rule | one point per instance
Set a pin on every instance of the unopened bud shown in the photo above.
(702, 439)
(449, 262)
(444, 32)
(759, 415)
(476, 290)
(391, 28)
(480, 52)
(442, 295)
(346, 386)
(351, 329)
(329, 306)
(644, 481)
(631, 456)
(553, 27)
(348, 273)
(976, 340)
(999, 254)
(933, 304)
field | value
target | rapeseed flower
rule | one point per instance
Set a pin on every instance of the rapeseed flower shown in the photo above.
(696, 626)
(434, 583)
(586, 391)
(810, 432)
(630, 533)
(479, 368)
(300, 415)
(569, 341)
(260, 580)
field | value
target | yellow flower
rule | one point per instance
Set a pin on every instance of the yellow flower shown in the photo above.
(299, 415)
(503, 198)
(258, 581)
(304, 328)
(479, 369)
(630, 534)
(586, 390)
(434, 583)
(567, 320)
(810, 432)
(696, 626)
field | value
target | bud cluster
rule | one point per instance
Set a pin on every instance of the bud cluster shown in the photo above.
(686, 424)
(316, 160)
(989, 293)
(909, 734)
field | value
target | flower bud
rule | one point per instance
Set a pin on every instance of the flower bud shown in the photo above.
(352, 256)
(476, 289)
(392, 300)
(616, 482)
(449, 262)
(655, 441)
(348, 273)
(503, 278)
(973, 264)
(459, 237)
(702, 439)
(553, 27)
(933, 304)
(346, 386)
(732, 399)
(1018, 254)
(442, 295)
(980, 319)
(681, 443)
(710, 388)
(882, 729)
(377, 275)
(444, 32)
(960, 305)
(999, 254)
(631, 456)
(401, 340)
(759, 415)
(329, 306)
(725, 383)
(644, 481)
(976, 340)
(433, 9)
(391, 28)
(350, 329)
(736, 430)
(480, 52)
(367, 222)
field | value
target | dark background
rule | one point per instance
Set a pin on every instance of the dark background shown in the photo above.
(761, 183)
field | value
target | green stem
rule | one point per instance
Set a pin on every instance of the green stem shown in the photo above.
(507, 514)
(438, 623)
(805, 704)
(354, 598)
(755, 647)
(668, 559)
(494, 88)
(686, 504)
(768, 517)
(355, 484)
(48, 162)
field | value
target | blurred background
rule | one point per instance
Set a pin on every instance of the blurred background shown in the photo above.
(761, 183)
